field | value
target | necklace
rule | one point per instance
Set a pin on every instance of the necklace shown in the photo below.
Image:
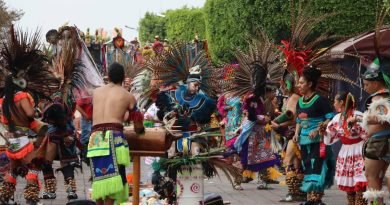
(305, 100)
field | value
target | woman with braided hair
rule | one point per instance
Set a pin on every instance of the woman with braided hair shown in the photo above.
(350, 164)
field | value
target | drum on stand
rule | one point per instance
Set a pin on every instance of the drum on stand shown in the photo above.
(154, 142)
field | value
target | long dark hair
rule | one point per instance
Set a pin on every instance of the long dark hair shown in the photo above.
(9, 106)
(312, 74)
(342, 95)
(259, 78)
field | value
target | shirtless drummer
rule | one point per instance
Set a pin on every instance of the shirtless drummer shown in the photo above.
(108, 148)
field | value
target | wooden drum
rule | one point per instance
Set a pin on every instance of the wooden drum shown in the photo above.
(155, 141)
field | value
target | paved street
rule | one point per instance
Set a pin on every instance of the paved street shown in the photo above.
(250, 195)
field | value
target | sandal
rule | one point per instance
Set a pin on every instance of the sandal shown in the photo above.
(262, 186)
(288, 198)
(246, 180)
(237, 187)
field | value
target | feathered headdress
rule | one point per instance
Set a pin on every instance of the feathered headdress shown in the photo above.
(25, 64)
(76, 70)
(301, 47)
(257, 67)
(140, 78)
(25, 68)
(81, 54)
(174, 66)
(379, 69)
(144, 89)
(133, 69)
(225, 75)
(304, 50)
(67, 68)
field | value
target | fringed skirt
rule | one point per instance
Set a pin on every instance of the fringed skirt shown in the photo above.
(109, 154)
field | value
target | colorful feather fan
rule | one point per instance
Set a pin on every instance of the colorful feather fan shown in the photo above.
(22, 59)
(225, 75)
(261, 51)
(302, 46)
(173, 67)
(144, 89)
(133, 69)
(384, 62)
(67, 68)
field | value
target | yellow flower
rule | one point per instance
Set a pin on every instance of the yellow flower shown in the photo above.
(268, 128)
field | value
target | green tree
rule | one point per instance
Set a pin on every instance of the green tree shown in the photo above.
(184, 23)
(8, 16)
(229, 24)
(150, 26)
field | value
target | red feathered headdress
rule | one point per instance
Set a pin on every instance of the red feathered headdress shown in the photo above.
(296, 60)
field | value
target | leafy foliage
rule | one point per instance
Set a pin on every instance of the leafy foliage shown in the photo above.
(8, 16)
(227, 25)
(150, 26)
(230, 23)
(182, 24)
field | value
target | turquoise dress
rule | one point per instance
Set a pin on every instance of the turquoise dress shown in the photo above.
(318, 171)
(234, 117)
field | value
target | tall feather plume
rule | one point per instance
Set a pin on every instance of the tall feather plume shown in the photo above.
(21, 54)
(173, 66)
(383, 61)
(303, 25)
(380, 18)
(302, 46)
(331, 73)
(143, 88)
(225, 75)
(261, 50)
(140, 82)
(70, 71)
(133, 69)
